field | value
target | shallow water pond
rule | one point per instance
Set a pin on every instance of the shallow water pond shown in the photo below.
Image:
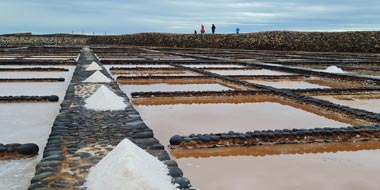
(288, 84)
(372, 105)
(185, 119)
(128, 89)
(327, 169)
(248, 72)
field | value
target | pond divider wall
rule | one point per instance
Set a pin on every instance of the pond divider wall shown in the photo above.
(18, 99)
(273, 137)
(80, 137)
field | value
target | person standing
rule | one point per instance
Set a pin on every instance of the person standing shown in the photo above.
(195, 31)
(237, 30)
(213, 27)
(203, 29)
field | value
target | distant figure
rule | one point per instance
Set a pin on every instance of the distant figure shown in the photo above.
(203, 29)
(237, 30)
(195, 31)
(213, 27)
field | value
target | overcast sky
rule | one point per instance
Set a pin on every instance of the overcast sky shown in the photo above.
(178, 16)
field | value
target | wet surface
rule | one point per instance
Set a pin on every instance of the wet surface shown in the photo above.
(136, 66)
(349, 170)
(248, 72)
(370, 104)
(215, 65)
(180, 119)
(24, 123)
(128, 89)
(288, 84)
(28, 122)
(67, 74)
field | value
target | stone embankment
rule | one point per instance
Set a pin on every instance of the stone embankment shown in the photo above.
(81, 137)
(271, 137)
(17, 150)
(366, 42)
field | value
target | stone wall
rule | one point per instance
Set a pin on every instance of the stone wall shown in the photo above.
(276, 40)
(53, 39)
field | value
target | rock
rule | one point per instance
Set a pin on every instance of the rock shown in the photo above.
(3, 148)
(145, 134)
(11, 149)
(205, 138)
(183, 183)
(215, 138)
(175, 172)
(175, 140)
(53, 98)
(187, 139)
(171, 163)
(28, 149)
(41, 176)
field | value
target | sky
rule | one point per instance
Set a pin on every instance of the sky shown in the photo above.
(176, 16)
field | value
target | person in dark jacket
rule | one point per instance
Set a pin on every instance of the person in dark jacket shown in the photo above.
(213, 27)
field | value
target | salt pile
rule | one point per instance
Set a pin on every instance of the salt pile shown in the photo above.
(93, 67)
(128, 167)
(104, 99)
(97, 77)
(333, 69)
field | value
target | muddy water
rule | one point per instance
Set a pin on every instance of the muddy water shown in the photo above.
(332, 170)
(169, 120)
(128, 89)
(288, 84)
(372, 105)
(248, 72)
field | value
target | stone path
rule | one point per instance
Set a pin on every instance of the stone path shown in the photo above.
(80, 138)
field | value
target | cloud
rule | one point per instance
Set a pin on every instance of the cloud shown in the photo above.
(118, 16)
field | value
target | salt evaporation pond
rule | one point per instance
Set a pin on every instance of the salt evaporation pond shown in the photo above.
(215, 65)
(136, 66)
(248, 72)
(186, 119)
(27, 122)
(328, 171)
(37, 88)
(128, 89)
(372, 105)
(288, 84)
(35, 74)
(24, 123)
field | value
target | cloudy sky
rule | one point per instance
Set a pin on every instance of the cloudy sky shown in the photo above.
(178, 16)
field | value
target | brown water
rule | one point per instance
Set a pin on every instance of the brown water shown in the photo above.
(337, 169)
(248, 72)
(185, 119)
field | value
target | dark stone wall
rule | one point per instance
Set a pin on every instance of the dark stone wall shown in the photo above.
(275, 40)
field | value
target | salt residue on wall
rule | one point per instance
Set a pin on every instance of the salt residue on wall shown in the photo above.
(104, 99)
(128, 167)
(97, 77)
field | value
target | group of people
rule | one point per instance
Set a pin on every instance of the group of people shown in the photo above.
(213, 28)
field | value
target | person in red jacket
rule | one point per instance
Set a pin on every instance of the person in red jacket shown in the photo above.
(203, 29)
